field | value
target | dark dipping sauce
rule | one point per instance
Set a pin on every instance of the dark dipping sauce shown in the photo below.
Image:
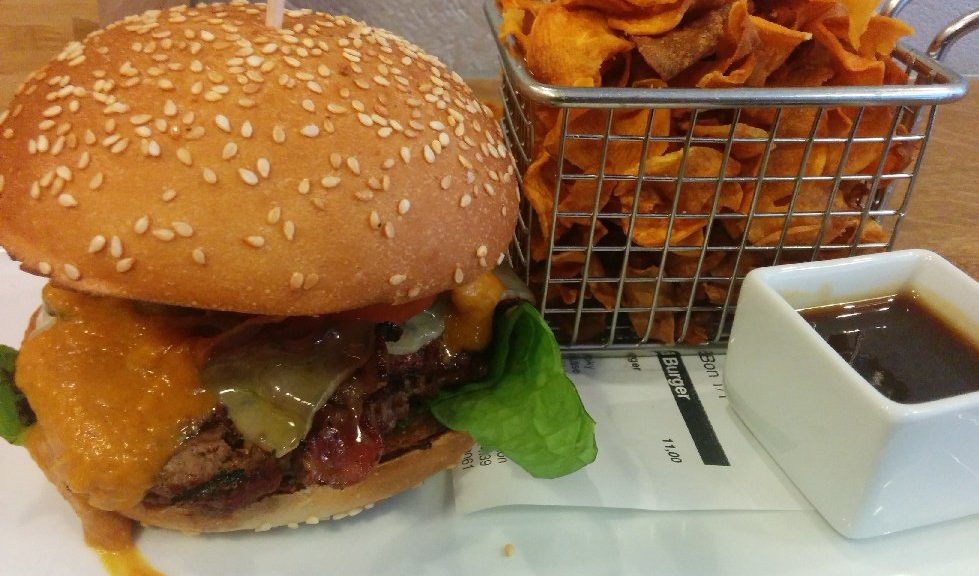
(900, 347)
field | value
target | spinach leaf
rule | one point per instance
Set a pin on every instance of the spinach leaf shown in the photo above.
(526, 407)
(10, 425)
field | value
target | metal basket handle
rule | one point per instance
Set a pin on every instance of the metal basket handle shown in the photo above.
(952, 34)
(948, 36)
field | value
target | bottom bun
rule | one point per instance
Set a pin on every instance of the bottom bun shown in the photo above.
(318, 502)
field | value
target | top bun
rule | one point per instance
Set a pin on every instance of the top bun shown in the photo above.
(197, 157)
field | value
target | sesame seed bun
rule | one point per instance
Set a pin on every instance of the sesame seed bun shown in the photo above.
(196, 157)
(315, 503)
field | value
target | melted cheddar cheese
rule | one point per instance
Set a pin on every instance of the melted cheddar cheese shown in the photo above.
(469, 325)
(112, 389)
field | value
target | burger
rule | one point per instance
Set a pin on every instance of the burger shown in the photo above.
(274, 294)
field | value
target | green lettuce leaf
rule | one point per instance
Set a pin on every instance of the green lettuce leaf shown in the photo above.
(10, 425)
(526, 407)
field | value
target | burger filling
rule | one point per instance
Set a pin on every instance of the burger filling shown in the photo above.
(164, 406)
(125, 403)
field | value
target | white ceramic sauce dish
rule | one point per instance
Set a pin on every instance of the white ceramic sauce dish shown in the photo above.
(868, 464)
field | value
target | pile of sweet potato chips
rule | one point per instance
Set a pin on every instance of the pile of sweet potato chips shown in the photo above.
(705, 44)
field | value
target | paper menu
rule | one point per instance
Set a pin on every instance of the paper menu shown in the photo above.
(667, 440)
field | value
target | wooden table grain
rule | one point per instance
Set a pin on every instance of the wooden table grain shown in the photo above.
(943, 214)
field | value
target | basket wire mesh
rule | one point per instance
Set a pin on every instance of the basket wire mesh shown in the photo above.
(603, 304)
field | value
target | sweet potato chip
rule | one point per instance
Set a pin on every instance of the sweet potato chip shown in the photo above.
(683, 47)
(622, 156)
(739, 150)
(654, 19)
(860, 13)
(641, 295)
(570, 47)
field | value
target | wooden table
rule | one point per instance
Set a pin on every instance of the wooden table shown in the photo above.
(944, 211)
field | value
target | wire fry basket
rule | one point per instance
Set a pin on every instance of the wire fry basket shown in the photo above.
(614, 273)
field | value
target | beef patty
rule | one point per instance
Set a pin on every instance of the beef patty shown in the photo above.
(378, 414)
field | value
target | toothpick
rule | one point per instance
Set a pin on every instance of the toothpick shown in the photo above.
(273, 13)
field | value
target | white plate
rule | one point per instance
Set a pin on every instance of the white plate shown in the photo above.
(420, 533)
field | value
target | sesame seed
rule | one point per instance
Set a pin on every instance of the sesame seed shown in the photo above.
(96, 244)
(365, 119)
(164, 234)
(183, 155)
(210, 176)
(304, 186)
(168, 195)
(310, 131)
(264, 167)
(364, 195)
(489, 189)
(314, 86)
(222, 122)
(481, 251)
(248, 177)
(246, 129)
(330, 181)
(35, 190)
(397, 279)
(389, 229)
(44, 268)
(63, 172)
(72, 272)
(183, 229)
(141, 225)
(140, 119)
(459, 276)
(230, 150)
(388, 164)
(436, 125)
(125, 265)
(375, 220)
(429, 154)
(336, 160)
(119, 146)
(153, 148)
(198, 255)
(115, 247)
(336, 108)
(353, 165)
(273, 216)
(51, 112)
(310, 106)
(255, 241)
(403, 206)
(443, 139)
(466, 200)
(278, 134)
(289, 229)
(446, 182)
(67, 200)
(296, 280)
(405, 154)
(414, 292)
